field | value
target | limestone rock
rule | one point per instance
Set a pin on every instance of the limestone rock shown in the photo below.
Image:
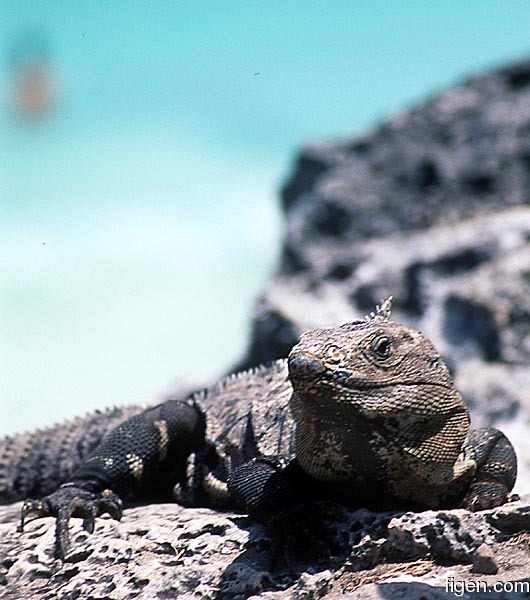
(164, 551)
(484, 560)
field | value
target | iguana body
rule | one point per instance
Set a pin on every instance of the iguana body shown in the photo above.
(365, 413)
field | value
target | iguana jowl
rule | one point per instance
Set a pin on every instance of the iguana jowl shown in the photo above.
(366, 413)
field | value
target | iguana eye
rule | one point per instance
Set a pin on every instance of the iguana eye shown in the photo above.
(382, 346)
(334, 354)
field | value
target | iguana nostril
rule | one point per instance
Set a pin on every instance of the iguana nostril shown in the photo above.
(304, 365)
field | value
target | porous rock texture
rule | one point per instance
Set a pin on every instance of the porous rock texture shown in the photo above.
(433, 208)
(165, 551)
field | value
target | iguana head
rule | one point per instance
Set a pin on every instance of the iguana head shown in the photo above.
(349, 362)
(373, 379)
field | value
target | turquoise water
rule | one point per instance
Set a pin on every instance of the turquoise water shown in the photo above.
(138, 208)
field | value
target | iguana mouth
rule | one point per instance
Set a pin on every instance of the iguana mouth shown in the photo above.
(362, 385)
(308, 370)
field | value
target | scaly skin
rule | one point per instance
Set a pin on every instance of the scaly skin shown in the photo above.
(36, 463)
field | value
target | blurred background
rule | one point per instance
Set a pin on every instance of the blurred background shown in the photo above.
(141, 149)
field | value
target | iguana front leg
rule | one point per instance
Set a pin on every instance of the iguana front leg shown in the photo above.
(147, 444)
(496, 469)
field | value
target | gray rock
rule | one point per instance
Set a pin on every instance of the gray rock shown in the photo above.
(165, 551)
(450, 535)
(484, 560)
(511, 518)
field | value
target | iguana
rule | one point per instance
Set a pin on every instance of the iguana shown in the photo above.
(365, 414)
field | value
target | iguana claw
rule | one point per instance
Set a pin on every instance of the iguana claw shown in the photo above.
(72, 501)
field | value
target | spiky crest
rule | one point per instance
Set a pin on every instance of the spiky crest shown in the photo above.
(382, 311)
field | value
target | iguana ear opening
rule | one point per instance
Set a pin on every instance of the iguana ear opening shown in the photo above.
(382, 311)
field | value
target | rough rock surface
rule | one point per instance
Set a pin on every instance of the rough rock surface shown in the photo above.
(165, 551)
(431, 207)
